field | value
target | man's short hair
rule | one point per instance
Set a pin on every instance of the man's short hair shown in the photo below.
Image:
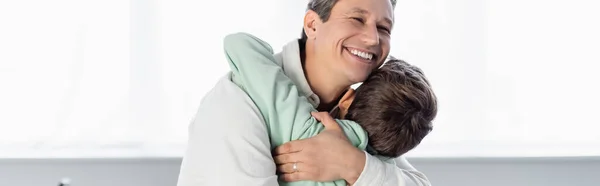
(396, 106)
(323, 9)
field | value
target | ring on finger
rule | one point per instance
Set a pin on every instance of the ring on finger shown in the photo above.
(295, 167)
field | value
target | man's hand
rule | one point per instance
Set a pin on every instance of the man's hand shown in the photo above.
(329, 156)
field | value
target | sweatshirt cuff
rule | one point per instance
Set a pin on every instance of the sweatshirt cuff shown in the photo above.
(372, 172)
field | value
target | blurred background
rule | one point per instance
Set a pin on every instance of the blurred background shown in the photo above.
(102, 92)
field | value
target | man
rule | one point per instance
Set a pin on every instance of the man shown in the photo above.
(343, 42)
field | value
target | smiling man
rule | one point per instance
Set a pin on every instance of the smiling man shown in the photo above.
(343, 42)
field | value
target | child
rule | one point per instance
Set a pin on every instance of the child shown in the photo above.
(394, 106)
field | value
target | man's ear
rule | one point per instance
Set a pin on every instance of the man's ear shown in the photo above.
(311, 22)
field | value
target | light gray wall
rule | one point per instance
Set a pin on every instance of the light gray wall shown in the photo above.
(512, 171)
(441, 171)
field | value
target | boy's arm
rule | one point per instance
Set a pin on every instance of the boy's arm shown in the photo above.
(285, 110)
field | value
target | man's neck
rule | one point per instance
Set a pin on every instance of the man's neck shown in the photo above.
(322, 82)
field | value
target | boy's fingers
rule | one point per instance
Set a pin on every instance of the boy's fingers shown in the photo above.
(317, 115)
(326, 120)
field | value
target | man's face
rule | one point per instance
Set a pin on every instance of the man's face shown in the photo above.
(356, 38)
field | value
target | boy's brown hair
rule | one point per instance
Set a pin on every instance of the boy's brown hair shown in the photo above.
(396, 106)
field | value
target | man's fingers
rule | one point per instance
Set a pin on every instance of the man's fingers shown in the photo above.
(289, 147)
(285, 158)
(288, 168)
(297, 176)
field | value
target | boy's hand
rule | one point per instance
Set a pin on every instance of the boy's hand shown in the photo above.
(330, 125)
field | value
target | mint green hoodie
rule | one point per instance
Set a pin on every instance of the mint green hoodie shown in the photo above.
(285, 111)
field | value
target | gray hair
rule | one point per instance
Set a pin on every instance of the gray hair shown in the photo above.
(323, 9)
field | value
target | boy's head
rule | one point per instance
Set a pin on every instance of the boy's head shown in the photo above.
(395, 105)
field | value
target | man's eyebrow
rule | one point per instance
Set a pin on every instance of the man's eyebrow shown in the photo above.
(357, 10)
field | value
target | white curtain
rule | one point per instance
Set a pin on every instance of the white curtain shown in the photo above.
(84, 78)
(514, 78)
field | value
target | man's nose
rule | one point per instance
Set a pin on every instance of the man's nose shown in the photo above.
(370, 35)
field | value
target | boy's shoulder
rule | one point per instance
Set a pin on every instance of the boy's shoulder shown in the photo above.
(242, 40)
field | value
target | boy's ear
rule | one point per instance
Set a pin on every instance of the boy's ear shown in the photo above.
(346, 101)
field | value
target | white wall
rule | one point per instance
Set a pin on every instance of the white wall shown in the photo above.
(442, 172)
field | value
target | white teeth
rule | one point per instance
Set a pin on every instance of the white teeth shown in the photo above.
(364, 55)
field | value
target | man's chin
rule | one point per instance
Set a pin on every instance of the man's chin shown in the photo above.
(357, 77)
